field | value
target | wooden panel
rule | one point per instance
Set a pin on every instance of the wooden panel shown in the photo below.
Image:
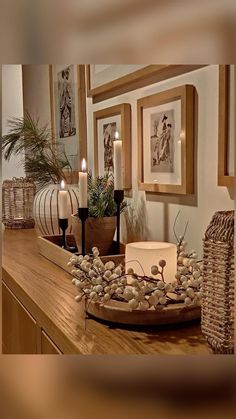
(56, 254)
(19, 332)
(48, 347)
(49, 247)
(137, 79)
(224, 179)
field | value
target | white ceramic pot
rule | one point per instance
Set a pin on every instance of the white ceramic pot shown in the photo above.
(45, 208)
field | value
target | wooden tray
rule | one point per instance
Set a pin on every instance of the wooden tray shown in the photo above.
(49, 247)
(116, 311)
(119, 312)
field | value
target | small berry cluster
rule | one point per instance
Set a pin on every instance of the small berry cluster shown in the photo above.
(189, 274)
(101, 282)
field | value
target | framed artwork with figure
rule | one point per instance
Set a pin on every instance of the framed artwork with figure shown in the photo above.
(68, 113)
(106, 123)
(165, 141)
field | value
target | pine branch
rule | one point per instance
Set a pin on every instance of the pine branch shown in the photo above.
(101, 199)
(41, 162)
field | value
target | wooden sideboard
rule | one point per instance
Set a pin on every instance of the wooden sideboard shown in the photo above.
(21, 333)
(40, 315)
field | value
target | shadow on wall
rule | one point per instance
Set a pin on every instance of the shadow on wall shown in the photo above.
(231, 191)
(135, 221)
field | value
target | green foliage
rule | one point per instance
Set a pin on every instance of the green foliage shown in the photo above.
(100, 192)
(41, 162)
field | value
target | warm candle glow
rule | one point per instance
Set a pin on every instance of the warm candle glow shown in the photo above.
(118, 176)
(83, 165)
(83, 186)
(117, 136)
(63, 202)
(63, 184)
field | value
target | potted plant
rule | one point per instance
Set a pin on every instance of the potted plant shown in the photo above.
(45, 163)
(101, 223)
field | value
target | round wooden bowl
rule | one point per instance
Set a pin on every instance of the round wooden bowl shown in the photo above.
(119, 312)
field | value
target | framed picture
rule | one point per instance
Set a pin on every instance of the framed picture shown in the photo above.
(106, 81)
(165, 141)
(106, 123)
(226, 126)
(68, 112)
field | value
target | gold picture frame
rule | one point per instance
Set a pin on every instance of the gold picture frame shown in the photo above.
(123, 112)
(183, 143)
(134, 80)
(224, 179)
(80, 92)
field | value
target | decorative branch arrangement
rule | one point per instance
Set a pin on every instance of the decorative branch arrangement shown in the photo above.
(101, 282)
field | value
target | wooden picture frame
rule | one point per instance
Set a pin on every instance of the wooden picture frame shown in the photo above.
(123, 111)
(185, 140)
(224, 179)
(143, 77)
(80, 91)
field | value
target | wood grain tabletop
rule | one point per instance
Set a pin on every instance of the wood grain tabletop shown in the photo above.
(47, 292)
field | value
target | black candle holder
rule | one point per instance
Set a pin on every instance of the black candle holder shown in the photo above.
(118, 198)
(83, 215)
(63, 224)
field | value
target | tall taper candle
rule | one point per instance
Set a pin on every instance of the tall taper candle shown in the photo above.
(83, 186)
(63, 202)
(118, 176)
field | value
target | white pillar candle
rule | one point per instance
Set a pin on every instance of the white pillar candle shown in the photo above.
(83, 186)
(63, 202)
(141, 256)
(118, 176)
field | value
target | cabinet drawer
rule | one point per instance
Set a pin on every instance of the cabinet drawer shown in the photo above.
(19, 329)
(48, 347)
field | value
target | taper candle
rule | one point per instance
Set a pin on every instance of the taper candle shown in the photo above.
(118, 176)
(83, 186)
(63, 202)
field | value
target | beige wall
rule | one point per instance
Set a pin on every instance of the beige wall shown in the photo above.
(12, 106)
(161, 210)
(36, 91)
(199, 208)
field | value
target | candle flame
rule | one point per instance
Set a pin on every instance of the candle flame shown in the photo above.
(83, 165)
(63, 184)
(117, 136)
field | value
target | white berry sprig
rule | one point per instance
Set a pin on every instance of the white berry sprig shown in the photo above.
(189, 271)
(99, 282)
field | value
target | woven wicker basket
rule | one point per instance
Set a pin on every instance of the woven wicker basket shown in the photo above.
(17, 203)
(218, 284)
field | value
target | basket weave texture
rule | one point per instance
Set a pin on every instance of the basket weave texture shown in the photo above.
(17, 203)
(218, 283)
